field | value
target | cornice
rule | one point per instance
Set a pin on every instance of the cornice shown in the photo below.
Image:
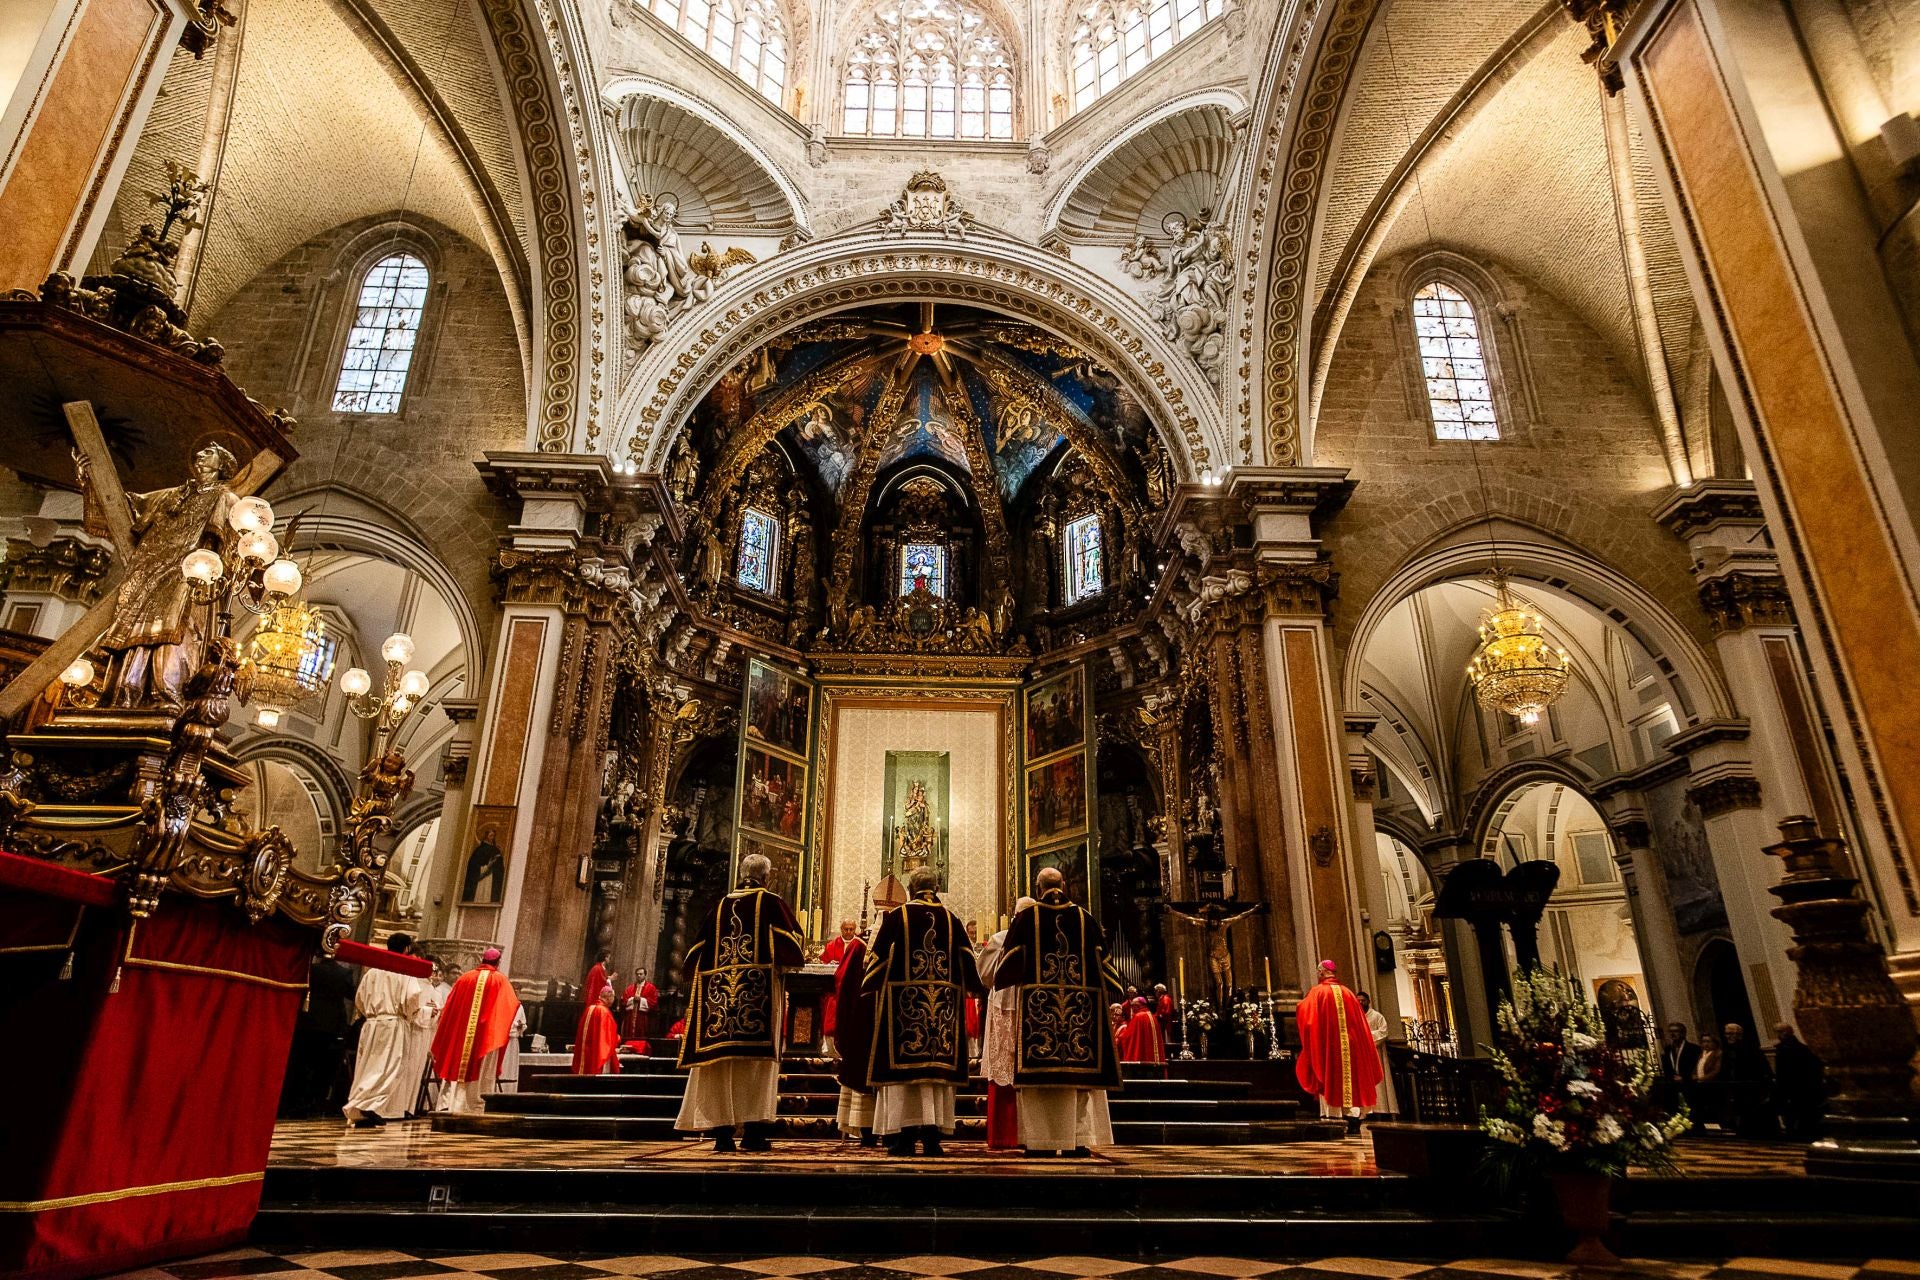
(1706, 505)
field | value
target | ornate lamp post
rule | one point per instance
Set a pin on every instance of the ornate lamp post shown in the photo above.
(385, 781)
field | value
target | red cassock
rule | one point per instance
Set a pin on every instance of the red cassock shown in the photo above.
(596, 1043)
(1140, 1039)
(833, 953)
(1337, 1061)
(596, 983)
(477, 1020)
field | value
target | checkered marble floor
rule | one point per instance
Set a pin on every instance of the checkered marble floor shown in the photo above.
(414, 1145)
(348, 1264)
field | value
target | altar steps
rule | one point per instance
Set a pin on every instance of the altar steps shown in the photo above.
(641, 1103)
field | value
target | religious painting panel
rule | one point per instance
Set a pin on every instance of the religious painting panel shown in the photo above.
(1071, 861)
(779, 708)
(773, 794)
(483, 872)
(918, 789)
(1056, 799)
(1057, 715)
(786, 860)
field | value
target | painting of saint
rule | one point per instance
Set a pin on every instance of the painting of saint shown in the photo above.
(785, 878)
(779, 707)
(773, 796)
(483, 882)
(1056, 799)
(1071, 859)
(1056, 715)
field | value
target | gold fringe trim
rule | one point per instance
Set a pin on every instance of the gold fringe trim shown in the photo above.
(174, 966)
(128, 1193)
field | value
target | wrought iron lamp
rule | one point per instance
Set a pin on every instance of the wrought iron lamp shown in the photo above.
(1516, 669)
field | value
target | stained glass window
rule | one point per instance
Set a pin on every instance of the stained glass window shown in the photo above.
(928, 69)
(923, 564)
(373, 372)
(759, 539)
(748, 37)
(1085, 576)
(1455, 367)
(1112, 39)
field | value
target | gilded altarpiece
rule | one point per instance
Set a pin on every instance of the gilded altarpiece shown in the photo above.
(1057, 776)
(773, 799)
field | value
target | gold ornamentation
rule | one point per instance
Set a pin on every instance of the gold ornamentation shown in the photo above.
(926, 207)
(1517, 670)
(1736, 601)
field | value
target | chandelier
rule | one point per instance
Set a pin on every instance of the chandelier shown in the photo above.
(1516, 669)
(285, 655)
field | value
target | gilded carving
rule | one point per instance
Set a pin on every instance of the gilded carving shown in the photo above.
(1723, 794)
(1736, 601)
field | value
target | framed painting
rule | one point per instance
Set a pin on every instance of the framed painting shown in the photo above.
(1057, 714)
(773, 794)
(779, 708)
(1056, 799)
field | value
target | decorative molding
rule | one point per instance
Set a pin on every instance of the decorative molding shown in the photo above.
(67, 568)
(1724, 793)
(1708, 504)
(1736, 601)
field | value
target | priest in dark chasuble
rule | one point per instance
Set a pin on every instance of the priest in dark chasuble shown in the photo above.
(853, 1039)
(919, 972)
(735, 1011)
(1064, 1062)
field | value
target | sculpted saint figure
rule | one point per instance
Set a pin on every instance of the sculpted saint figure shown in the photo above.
(159, 630)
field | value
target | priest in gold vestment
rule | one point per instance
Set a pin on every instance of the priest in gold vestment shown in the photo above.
(735, 1012)
(1055, 957)
(919, 971)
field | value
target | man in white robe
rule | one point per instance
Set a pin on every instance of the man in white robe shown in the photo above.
(1384, 1102)
(392, 1010)
(420, 1039)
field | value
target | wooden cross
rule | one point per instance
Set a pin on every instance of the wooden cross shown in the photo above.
(105, 478)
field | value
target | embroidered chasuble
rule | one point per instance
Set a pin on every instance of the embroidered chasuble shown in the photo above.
(1056, 956)
(733, 976)
(919, 972)
(1337, 1061)
(478, 1019)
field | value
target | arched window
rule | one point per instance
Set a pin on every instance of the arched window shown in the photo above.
(929, 69)
(747, 37)
(1085, 577)
(1112, 39)
(1459, 392)
(759, 544)
(386, 325)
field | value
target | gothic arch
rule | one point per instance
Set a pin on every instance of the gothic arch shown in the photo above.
(1478, 812)
(988, 270)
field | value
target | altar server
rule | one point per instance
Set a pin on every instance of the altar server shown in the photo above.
(1377, 1027)
(596, 1042)
(855, 1040)
(1338, 1063)
(386, 1078)
(1063, 1058)
(420, 1038)
(735, 1012)
(919, 973)
(475, 1029)
(996, 1052)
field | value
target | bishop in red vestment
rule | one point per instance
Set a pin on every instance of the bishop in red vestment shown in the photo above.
(597, 980)
(1337, 1062)
(474, 1028)
(834, 953)
(596, 1045)
(1139, 1037)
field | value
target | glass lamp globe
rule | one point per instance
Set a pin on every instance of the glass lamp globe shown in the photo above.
(402, 705)
(78, 674)
(398, 648)
(282, 577)
(260, 545)
(202, 566)
(413, 684)
(355, 682)
(251, 515)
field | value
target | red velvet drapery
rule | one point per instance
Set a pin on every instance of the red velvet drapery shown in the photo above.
(140, 1117)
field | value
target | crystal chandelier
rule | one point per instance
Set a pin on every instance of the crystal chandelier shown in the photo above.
(1517, 669)
(283, 655)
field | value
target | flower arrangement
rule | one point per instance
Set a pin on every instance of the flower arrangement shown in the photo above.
(1568, 1101)
(1202, 1014)
(1248, 1017)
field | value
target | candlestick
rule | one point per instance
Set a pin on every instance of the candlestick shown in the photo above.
(1267, 961)
(1183, 987)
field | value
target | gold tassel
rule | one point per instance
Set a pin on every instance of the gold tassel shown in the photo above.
(116, 980)
(306, 1000)
(66, 968)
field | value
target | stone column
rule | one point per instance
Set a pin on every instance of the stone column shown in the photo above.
(1364, 781)
(1654, 933)
(449, 854)
(1748, 775)
(1466, 986)
(1782, 249)
(69, 122)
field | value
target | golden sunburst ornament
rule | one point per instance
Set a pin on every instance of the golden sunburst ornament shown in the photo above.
(1516, 669)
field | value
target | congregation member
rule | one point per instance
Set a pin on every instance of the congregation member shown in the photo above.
(1055, 958)
(391, 1007)
(919, 972)
(1679, 1055)
(854, 1017)
(1139, 1039)
(1800, 1084)
(1385, 1101)
(477, 1028)
(735, 1012)
(1337, 1062)
(318, 1056)
(1746, 1084)
(596, 1044)
(997, 1043)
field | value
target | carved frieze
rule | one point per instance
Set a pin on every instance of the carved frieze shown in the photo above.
(1736, 601)
(1724, 794)
(67, 568)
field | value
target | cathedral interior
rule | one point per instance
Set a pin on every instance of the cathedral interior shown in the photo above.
(481, 470)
